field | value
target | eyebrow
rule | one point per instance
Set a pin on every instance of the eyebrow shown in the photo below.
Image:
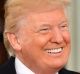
(43, 25)
(65, 21)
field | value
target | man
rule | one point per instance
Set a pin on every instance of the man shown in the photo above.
(36, 32)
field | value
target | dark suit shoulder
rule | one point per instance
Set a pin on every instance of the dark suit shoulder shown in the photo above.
(65, 71)
(8, 67)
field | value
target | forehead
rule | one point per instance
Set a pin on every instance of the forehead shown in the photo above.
(58, 12)
(45, 11)
(43, 17)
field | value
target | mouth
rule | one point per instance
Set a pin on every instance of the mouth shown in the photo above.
(54, 50)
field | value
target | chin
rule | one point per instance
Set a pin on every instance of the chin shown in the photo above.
(57, 64)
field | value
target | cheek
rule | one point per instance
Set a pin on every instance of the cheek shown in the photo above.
(35, 41)
(42, 40)
(35, 45)
(66, 36)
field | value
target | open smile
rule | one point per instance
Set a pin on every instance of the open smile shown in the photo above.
(54, 50)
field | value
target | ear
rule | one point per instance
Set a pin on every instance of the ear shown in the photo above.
(13, 41)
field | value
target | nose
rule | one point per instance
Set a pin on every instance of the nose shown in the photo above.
(56, 36)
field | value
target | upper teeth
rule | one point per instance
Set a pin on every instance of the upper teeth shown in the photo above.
(54, 50)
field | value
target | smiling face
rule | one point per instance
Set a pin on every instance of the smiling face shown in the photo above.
(44, 40)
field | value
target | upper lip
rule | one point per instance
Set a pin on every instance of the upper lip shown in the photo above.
(53, 48)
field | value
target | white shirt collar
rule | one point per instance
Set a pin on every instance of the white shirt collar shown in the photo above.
(21, 68)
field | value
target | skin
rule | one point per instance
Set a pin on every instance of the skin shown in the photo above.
(37, 34)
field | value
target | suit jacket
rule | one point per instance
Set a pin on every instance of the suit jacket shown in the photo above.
(9, 68)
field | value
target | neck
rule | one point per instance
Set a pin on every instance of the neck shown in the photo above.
(45, 71)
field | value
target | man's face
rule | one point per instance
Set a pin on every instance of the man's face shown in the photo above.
(44, 39)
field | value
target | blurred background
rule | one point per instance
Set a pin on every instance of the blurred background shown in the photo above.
(74, 19)
(3, 52)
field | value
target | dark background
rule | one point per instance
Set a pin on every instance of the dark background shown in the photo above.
(3, 52)
(1, 15)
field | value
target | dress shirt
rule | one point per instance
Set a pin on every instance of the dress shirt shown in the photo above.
(21, 68)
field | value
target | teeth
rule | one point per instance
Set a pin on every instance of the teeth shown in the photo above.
(54, 51)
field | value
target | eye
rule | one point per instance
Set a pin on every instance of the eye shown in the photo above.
(44, 30)
(64, 26)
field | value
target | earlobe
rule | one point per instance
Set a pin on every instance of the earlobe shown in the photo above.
(13, 41)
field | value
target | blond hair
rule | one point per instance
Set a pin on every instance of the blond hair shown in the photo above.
(16, 8)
